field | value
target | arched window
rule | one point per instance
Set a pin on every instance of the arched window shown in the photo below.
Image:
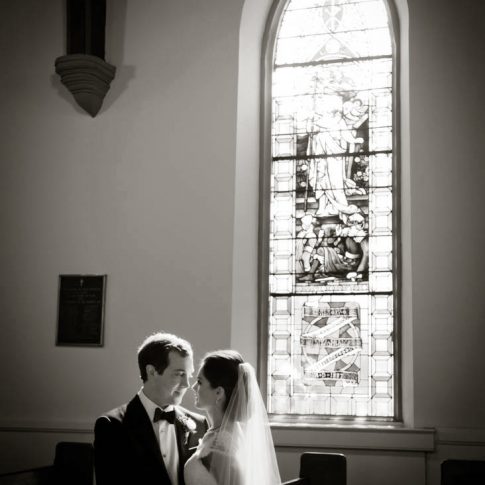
(332, 280)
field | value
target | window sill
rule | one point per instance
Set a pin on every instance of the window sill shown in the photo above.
(382, 437)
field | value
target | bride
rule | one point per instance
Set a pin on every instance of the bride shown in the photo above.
(237, 448)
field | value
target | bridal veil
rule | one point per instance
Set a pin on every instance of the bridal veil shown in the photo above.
(243, 451)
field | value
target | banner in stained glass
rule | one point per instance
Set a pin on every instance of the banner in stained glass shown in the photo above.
(331, 355)
(331, 246)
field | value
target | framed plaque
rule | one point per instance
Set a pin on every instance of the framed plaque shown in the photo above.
(80, 319)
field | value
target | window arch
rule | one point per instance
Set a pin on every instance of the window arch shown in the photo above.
(330, 315)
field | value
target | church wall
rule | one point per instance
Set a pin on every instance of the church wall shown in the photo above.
(142, 193)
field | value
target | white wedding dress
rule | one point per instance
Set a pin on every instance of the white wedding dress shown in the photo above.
(241, 450)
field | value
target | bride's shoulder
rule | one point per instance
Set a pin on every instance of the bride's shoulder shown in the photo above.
(223, 441)
(214, 440)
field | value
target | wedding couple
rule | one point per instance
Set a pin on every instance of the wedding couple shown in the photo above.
(153, 440)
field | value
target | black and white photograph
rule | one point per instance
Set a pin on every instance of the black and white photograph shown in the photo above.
(234, 242)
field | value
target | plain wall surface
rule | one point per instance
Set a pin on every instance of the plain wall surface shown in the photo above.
(160, 192)
(447, 75)
(142, 193)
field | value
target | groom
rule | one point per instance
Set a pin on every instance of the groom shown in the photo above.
(147, 441)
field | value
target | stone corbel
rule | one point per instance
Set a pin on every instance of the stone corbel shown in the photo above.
(84, 70)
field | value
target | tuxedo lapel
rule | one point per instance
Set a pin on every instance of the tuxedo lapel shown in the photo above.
(182, 434)
(141, 429)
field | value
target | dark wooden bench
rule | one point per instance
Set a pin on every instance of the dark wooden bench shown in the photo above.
(321, 469)
(463, 472)
(73, 465)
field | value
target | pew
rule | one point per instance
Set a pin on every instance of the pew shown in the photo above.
(321, 469)
(73, 465)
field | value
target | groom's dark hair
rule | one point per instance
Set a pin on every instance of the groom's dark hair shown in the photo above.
(155, 350)
(221, 368)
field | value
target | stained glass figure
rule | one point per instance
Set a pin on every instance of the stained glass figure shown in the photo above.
(331, 265)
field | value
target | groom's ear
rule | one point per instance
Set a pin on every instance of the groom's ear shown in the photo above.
(150, 370)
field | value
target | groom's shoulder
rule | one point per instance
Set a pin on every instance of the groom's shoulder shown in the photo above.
(118, 413)
(113, 415)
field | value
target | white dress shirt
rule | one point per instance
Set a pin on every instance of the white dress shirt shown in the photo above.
(166, 437)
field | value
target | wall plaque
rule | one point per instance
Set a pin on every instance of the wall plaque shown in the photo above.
(81, 310)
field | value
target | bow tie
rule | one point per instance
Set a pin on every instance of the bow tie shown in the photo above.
(168, 416)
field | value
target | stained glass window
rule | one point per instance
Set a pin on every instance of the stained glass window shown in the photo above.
(331, 281)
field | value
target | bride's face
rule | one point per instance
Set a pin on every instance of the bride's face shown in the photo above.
(205, 394)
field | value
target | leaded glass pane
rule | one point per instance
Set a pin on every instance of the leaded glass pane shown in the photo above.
(331, 355)
(339, 30)
(331, 345)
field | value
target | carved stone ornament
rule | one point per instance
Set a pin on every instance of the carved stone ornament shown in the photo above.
(83, 69)
(87, 77)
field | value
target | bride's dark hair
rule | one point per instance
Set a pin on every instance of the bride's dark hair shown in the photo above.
(220, 368)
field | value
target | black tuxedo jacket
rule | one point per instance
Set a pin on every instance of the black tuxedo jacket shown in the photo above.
(126, 448)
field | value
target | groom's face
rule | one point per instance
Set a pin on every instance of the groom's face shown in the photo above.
(172, 383)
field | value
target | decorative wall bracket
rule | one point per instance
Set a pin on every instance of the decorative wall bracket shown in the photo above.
(83, 70)
(87, 77)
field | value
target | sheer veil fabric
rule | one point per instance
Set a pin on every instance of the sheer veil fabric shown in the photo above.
(243, 452)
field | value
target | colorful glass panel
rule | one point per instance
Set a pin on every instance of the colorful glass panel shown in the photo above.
(331, 345)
